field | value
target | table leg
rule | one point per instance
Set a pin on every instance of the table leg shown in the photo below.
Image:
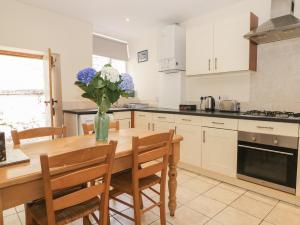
(1, 210)
(173, 160)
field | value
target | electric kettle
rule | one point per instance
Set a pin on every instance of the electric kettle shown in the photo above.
(210, 104)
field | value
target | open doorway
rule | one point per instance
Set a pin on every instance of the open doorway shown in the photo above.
(24, 87)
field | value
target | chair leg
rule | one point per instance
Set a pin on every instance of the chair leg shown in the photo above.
(162, 209)
(137, 210)
(28, 217)
(141, 201)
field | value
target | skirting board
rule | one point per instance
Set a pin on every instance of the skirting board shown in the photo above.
(292, 199)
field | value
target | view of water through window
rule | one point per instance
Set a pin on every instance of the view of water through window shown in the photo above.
(22, 94)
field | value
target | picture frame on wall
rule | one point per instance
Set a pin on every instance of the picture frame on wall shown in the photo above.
(142, 56)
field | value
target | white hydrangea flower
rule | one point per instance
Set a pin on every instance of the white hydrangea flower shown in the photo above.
(110, 73)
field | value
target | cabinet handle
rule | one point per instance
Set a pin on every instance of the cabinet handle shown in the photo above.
(261, 127)
(203, 136)
(142, 115)
(129, 124)
(175, 130)
(148, 126)
(216, 63)
(209, 65)
(152, 126)
(219, 123)
(187, 120)
(161, 117)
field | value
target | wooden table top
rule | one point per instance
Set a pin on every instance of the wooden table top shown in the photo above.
(25, 172)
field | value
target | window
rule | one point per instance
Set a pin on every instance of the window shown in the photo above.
(100, 61)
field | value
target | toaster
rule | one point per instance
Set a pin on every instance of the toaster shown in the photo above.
(229, 106)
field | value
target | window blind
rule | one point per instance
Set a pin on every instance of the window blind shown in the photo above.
(110, 48)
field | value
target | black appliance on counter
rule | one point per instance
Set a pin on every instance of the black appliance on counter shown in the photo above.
(268, 160)
(210, 104)
(2, 147)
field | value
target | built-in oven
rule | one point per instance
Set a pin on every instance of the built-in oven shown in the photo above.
(268, 160)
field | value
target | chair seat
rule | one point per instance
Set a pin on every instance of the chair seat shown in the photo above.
(38, 211)
(123, 182)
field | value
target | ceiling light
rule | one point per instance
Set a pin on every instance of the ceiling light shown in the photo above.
(127, 19)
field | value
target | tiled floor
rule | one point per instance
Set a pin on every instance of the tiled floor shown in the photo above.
(202, 200)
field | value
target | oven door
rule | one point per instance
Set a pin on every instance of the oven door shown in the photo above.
(271, 166)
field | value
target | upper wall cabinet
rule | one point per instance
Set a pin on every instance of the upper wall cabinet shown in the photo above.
(221, 47)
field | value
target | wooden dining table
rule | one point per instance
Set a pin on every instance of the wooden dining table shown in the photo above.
(23, 182)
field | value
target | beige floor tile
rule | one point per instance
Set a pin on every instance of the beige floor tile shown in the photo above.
(187, 216)
(208, 180)
(119, 206)
(231, 216)
(186, 172)
(206, 206)
(9, 212)
(183, 178)
(157, 222)
(262, 198)
(185, 195)
(222, 195)
(284, 214)
(20, 208)
(266, 223)
(147, 218)
(22, 217)
(197, 185)
(232, 188)
(252, 206)
(12, 220)
(213, 222)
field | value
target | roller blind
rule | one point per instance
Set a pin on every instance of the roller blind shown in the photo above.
(109, 48)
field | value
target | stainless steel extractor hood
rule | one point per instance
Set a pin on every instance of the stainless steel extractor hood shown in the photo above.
(282, 25)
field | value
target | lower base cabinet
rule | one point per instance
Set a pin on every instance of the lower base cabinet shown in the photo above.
(219, 150)
(190, 147)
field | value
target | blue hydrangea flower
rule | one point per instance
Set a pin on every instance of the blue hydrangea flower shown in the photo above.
(126, 83)
(86, 75)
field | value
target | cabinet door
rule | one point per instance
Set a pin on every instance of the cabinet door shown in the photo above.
(162, 126)
(143, 120)
(231, 49)
(219, 150)
(199, 50)
(190, 147)
(125, 123)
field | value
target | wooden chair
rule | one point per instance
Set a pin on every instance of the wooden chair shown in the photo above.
(67, 172)
(88, 128)
(145, 150)
(58, 132)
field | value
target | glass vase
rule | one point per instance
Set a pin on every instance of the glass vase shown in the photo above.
(101, 126)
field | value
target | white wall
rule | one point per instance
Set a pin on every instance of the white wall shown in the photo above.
(26, 27)
(232, 85)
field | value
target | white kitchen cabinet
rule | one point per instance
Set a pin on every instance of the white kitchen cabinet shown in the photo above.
(190, 147)
(199, 50)
(219, 150)
(125, 123)
(231, 49)
(221, 47)
(143, 120)
(162, 126)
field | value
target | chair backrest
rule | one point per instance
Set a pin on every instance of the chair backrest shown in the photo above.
(88, 128)
(69, 170)
(151, 149)
(58, 132)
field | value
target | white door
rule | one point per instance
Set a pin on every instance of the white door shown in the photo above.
(219, 150)
(199, 50)
(231, 49)
(163, 126)
(190, 147)
(53, 93)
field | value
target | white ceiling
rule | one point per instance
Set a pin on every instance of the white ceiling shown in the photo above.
(109, 16)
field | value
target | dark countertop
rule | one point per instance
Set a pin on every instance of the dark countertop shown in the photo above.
(191, 113)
